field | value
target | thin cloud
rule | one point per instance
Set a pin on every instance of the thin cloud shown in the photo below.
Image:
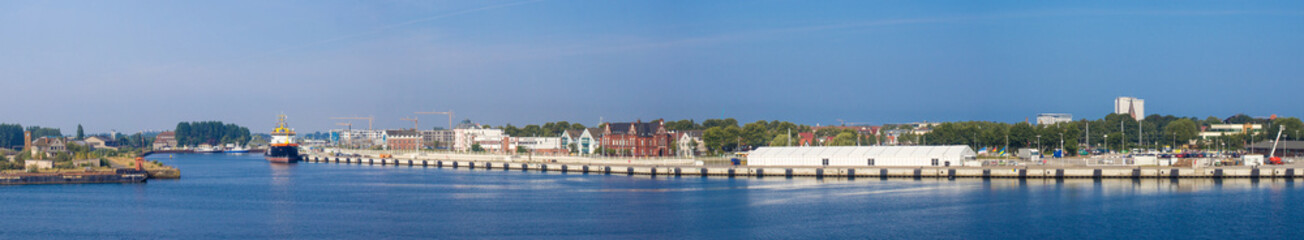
(386, 28)
(725, 37)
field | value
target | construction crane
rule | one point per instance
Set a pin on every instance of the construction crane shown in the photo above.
(1272, 156)
(414, 123)
(370, 120)
(346, 124)
(449, 113)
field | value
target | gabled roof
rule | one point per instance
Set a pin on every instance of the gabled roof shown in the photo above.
(595, 132)
(105, 139)
(642, 129)
(573, 133)
(45, 142)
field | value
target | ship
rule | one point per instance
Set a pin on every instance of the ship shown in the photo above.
(283, 149)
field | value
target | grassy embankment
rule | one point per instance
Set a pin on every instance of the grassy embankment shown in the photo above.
(155, 169)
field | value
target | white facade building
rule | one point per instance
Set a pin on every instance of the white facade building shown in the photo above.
(489, 139)
(849, 156)
(39, 164)
(538, 144)
(690, 143)
(1053, 118)
(357, 137)
(1135, 107)
(1218, 130)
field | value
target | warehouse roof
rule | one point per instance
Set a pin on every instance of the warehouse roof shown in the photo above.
(875, 151)
(1284, 145)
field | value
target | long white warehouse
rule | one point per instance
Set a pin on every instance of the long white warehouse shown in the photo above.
(890, 156)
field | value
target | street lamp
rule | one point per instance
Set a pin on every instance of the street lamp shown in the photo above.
(1039, 142)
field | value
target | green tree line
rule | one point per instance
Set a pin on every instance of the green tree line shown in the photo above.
(210, 132)
(551, 129)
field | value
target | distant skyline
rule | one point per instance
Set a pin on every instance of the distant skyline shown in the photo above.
(146, 65)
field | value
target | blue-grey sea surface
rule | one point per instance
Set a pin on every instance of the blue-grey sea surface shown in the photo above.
(244, 197)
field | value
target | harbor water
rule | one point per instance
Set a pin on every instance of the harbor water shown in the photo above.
(243, 196)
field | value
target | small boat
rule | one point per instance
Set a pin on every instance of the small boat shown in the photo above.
(237, 150)
(208, 150)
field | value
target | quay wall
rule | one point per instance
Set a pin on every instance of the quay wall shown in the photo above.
(836, 172)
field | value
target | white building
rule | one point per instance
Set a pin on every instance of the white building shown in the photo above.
(690, 143)
(39, 164)
(584, 142)
(1217, 130)
(1053, 118)
(539, 145)
(358, 137)
(489, 139)
(1135, 107)
(849, 156)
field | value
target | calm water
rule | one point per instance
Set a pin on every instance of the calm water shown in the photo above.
(244, 197)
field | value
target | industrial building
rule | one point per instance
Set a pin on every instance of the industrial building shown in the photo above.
(870, 156)
(1283, 149)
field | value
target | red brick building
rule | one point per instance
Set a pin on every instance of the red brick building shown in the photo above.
(402, 140)
(637, 139)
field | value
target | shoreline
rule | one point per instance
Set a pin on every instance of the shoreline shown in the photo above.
(1023, 172)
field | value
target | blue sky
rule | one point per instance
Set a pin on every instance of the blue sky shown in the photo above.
(145, 65)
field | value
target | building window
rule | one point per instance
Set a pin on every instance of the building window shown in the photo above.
(826, 162)
(934, 162)
(871, 162)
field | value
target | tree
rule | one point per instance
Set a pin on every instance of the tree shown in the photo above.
(38, 131)
(1022, 135)
(682, 125)
(1292, 128)
(710, 123)
(1240, 119)
(827, 132)
(754, 134)
(210, 132)
(780, 140)
(1211, 120)
(722, 138)
(80, 134)
(475, 147)
(843, 139)
(11, 135)
(1181, 131)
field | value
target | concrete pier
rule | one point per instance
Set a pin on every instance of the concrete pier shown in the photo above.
(845, 172)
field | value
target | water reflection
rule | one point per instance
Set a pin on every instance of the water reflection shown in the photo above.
(282, 199)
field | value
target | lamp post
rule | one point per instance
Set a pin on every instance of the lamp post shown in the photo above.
(1061, 141)
(1039, 142)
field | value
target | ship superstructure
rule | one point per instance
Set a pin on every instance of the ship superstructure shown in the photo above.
(283, 147)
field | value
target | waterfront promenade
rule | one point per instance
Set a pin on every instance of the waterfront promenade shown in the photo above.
(686, 167)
